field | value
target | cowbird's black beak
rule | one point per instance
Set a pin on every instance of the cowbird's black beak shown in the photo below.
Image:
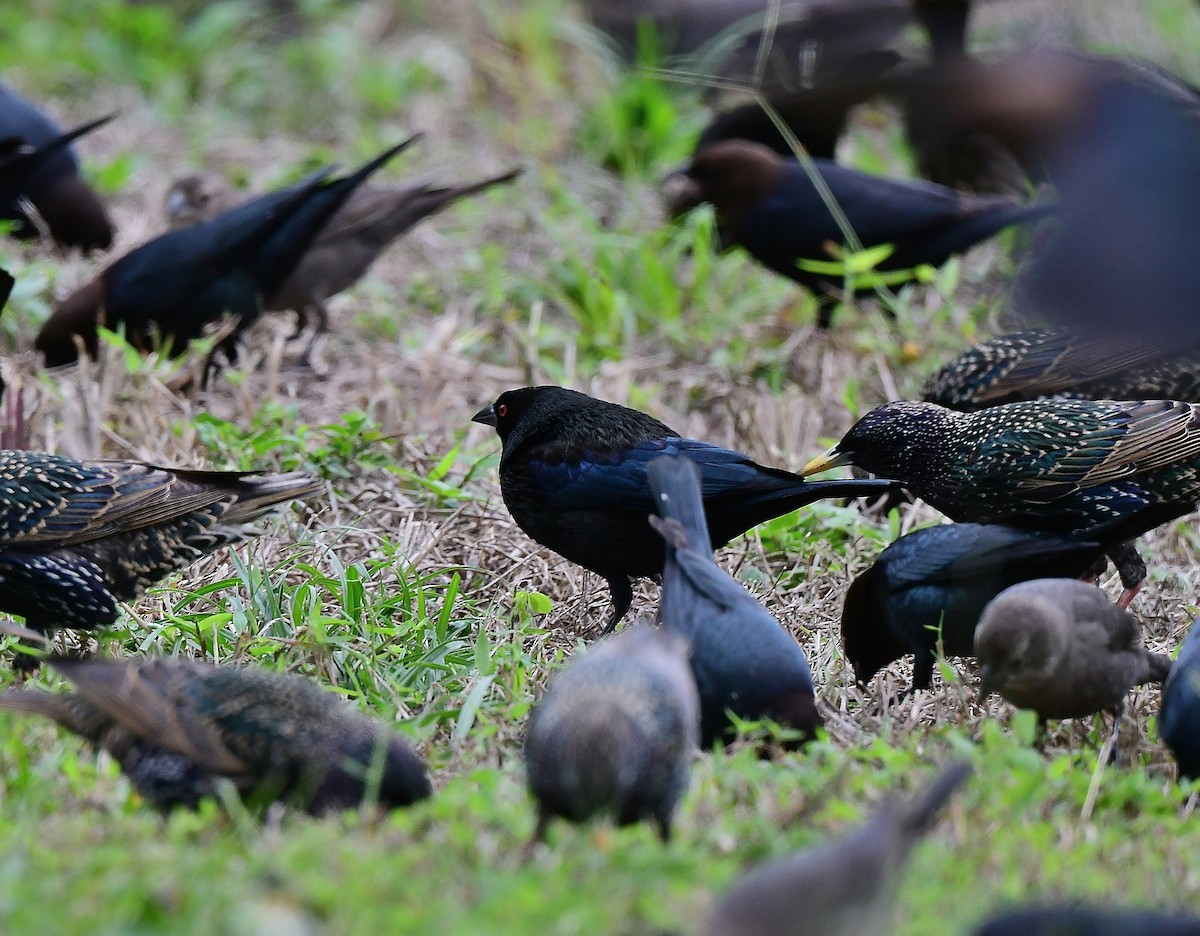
(487, 416)
(987, 682)
(680, 193)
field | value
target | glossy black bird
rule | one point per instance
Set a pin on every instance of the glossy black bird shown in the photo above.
(768, 205)
(573, 476)
(172, 287)
(71, 210)
(1040, 362)
(1061, 648)
(616, 733)
(76, 537)
(843, 888)
(743, 660)
(933, 584)
(1088, 921)
(346, 247)
(177, 726)
(1058, 465)
(22, 163)
(1179, 720)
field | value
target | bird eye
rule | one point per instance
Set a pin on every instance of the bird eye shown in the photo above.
(502, 410)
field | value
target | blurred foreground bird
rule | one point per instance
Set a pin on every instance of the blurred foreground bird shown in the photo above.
(76, 537)
(1179, 720)
(176, 727)
(931, 586)
(769, 205)
(1061, 648)
(69, 207)
(573, 476)
(1088, 921)
(843, 888)
(1040, 362)
(616, 732)
(1057, 465)
(743, 660)
(169, 289)
(352, 239)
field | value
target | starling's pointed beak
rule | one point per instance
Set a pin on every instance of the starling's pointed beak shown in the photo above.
(830, 459)
(987, 682)
(487, 416)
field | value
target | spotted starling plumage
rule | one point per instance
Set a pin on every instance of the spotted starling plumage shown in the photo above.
(176, 727)
(76, 537)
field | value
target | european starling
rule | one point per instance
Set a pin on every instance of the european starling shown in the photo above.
(177, 726)
(843, 888)
(79, 536)
(1057, 465)
(573, 476)
(171, 288)
(769, 205)
(744, 662)
(71, 210)
(366, 224)
(1087, 921)
(1179, 720)
(933, 584)
(1061, 648)
(1041, 362)
(615, 733)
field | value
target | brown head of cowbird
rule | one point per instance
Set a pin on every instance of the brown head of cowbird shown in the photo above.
(615, 733)
(1061, 648)
(176, 727)
(771, 206)
(840, 889)
(365, 225)
(69, 208)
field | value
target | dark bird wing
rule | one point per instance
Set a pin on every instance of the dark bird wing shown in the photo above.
(24, 161)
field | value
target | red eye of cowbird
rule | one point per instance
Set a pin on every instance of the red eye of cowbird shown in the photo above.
(502, 410)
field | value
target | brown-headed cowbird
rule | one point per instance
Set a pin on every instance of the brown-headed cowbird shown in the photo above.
(1179, 720)
(744, 662)
(340, 255)
(176, 727)
(172, 287)
(615, 733)
(69, 207)
(76, 537)
(1088, 921)
(1061, 648)
(843, 888)
(931, 586)
(769, 205)
(573, 476)
(1056, 465)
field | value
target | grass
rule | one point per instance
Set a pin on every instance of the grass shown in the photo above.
(406, 587)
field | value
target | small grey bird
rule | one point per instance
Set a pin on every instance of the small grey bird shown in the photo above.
(616, 732)
(839, 889)
(1061, 648)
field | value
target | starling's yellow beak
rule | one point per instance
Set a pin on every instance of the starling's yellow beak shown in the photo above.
(830, 459)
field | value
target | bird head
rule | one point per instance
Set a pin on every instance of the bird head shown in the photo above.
(895, 440)
(735, 176)
(197, 198)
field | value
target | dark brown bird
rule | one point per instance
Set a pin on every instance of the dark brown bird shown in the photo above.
(69, 207)
(76, 537)
(1088, 921)
(1061, 648)
(170, 289)
(770, 206)
(366, 224)
(176, 727)
(616, 733)
(843, 888)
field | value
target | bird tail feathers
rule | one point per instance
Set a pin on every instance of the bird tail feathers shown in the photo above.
(675, 484)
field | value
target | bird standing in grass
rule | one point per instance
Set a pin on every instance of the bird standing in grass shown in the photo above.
(176, 727)
(573, 476)
(616, 732)
(770, 205)
(744, 662)
(76, 537)
(1179, 720)
(1057, 465)
(1088, 921)
(1061, 648)
(843, 888)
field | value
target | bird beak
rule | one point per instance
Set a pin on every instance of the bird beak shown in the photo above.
(680, 193)
(487, 416)
(831, 459)
(987, 682)
(176, 202)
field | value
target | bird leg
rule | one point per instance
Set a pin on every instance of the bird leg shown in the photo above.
(1114, 757)
(1128, 595)
(1131, 569)
(319, 329)
(621, 590)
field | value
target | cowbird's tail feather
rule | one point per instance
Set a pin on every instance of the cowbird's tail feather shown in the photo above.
(675, 484)
(1158, 668)
(918, 814)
